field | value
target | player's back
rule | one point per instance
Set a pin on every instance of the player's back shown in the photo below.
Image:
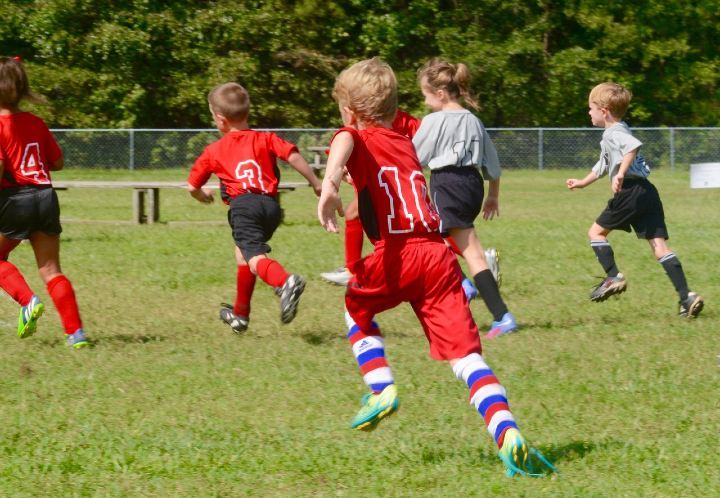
(26, 148)
(392, 192)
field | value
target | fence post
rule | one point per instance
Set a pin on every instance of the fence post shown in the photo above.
(131, 159)
(540, 148)
(672, 149)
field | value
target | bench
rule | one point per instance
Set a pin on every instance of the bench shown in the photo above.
(317, 164)
(149, 212)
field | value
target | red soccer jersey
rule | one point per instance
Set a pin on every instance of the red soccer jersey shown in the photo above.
(392, 192)
(244, 161)
(405, 124)
(27, 148)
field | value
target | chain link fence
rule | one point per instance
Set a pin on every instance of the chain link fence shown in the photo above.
(527, 148)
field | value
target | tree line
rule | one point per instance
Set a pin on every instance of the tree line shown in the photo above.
(150, 64)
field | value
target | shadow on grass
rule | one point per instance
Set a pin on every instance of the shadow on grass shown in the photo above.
(130, 339)
(575, 450)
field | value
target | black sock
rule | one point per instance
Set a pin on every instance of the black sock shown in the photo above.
(488, 289)
(606, 256)
(675, 272)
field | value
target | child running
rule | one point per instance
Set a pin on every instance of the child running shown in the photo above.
(245, 161)
(29, 208)
(410, 262)
(453, 143)
(635, 203)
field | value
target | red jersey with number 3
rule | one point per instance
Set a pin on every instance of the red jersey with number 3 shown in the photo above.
(244, 161)
(392, 192)
(27, 149)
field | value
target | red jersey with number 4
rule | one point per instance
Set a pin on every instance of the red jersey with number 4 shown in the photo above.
(27, 149)
(392, 192)
(244, 161)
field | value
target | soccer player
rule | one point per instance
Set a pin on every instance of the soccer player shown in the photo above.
(245, 161)
(29, 208)
(453, 143)
(635, 203)
(410, 261)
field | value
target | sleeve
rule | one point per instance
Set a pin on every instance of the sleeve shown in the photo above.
(201, 170)
(280, 147)
(490, 162)
(424, 145)
(626, 142)
(601, 168)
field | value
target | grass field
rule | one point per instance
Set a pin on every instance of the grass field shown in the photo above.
(622, 395)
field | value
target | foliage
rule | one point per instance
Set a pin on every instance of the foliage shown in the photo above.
(146, 63)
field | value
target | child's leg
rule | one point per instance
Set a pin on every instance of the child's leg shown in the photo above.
(47, 256)
(289, 287)
(369, 350)
(245, 285)
(11, 280)
(672, 266)
(486, 394)
(269, 270)
(474, 254)
(603, 250)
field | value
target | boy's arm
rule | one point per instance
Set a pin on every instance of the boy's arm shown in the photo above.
(199, 175)
(491, 206)
(57, 164)
(340, 150)
(299, 164)
(573, 183)
(203, 195)
(624, 166)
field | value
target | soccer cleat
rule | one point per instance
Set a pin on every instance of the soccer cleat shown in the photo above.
(290, 294)
(506, 325)
(376, 407)
(692, 305)
(608, 287)
(27, 321)
(237, 323)
(492, 256)
(78, 339)
(470, 291)
(520, 458)
(341, 276)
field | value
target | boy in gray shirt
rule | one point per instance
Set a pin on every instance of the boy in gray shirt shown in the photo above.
(636, 202)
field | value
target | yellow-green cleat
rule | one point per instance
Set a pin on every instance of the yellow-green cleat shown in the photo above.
(521, 458)
(376, 407)
(27, 321)
(78, 339)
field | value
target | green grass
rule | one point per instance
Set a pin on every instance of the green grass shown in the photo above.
(622, 395)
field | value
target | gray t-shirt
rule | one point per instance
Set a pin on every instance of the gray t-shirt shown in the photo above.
(456, 138)
(617, 141)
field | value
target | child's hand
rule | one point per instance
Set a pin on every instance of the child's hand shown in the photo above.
(491, 207)
(203, 195)
(317, 187)
(617, 183)
(573, 183)
(328, 204)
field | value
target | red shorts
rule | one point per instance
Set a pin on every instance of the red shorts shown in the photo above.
(424, 272)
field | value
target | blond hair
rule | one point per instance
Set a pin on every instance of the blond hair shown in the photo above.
(454, 79)
(230, 100)
(611, 96)
(369, 89)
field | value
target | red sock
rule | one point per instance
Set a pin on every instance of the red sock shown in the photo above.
(12, 282)
(271, 272)
(353, 240)
(62, 294)
(245, 285)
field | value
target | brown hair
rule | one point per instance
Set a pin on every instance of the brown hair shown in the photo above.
(611, 96)
(14, 84)
(369, 89)
(230, 100)
(454, 79)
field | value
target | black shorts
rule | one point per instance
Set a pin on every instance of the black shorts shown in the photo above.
(253, 219)
(637, 205)
(24, 210)
(457, 194)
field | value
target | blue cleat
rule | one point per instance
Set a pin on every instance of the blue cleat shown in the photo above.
(376, 407)
(469, 288)
(506, 325)
(78, 339)
(520, 458)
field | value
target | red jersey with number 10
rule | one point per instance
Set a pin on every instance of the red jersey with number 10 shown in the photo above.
(392, 192)
(27, 149)
(244, 161)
